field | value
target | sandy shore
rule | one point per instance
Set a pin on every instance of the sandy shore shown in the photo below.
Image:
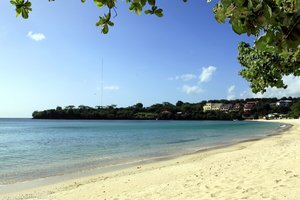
(264, 169)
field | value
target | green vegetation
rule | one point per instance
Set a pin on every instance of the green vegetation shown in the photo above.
(276, 50)
(275, 24)
(179, 111)
(295, 110)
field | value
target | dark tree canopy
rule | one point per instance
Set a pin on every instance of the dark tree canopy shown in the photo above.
(276, 50)
(275, 24)
(295, 110)
(231, 109)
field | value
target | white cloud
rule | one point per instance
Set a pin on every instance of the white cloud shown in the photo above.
(231, 89)
(293, 89)
(196, 87)
(183, 77)
(231, 92)
(187, 77)
(36, 36)
(111, 87)
(191, 89)
(207, 73)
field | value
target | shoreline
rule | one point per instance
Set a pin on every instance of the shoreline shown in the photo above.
(59, 178)
(138, 169)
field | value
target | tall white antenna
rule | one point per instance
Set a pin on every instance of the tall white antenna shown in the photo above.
(101, 98)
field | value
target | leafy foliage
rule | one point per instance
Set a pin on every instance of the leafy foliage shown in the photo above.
(22, 7)
(276, 50)
(138, 6)
(295, 110)
(263, 68)
(274, 23)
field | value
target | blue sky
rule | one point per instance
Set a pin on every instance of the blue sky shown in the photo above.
(54, 58)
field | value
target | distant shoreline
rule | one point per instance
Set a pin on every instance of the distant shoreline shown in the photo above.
(238, 109)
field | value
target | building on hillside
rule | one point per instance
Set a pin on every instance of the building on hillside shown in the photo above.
(284, 103)
(216, 106)
(207, 107)
(166, 112)
(212, 106)
(249, 106)
(226, 107)
(236, 107)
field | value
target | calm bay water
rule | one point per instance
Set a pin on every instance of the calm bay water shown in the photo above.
(32, 149)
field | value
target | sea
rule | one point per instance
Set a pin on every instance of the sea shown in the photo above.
(36, 149)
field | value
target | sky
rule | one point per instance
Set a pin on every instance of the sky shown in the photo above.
(55, 57)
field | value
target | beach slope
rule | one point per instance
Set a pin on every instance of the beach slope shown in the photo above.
(263, 169)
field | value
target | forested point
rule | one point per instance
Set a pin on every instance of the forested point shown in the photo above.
(252, 108)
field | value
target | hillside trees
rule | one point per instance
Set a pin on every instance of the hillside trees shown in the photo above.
(295, 110)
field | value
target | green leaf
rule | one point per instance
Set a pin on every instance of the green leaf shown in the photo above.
(13, 2)
(239, 2)
(250, 4)
(110, 23)
(148, 12)
(261, 43)
(269, 10)
(138, 11)
(110, 4)
(151, 2)
(25, 14)
(107, 16)
(99, 3)
(105, 29)
(143, 2)
(220, 13)
(159, 12)
(18, 11)
(226, 3)
(131, 7)
(27, 4)
(238, 26)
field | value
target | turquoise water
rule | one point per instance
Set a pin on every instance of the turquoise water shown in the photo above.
(32, 149)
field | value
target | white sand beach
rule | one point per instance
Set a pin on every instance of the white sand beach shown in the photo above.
(263, 169)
